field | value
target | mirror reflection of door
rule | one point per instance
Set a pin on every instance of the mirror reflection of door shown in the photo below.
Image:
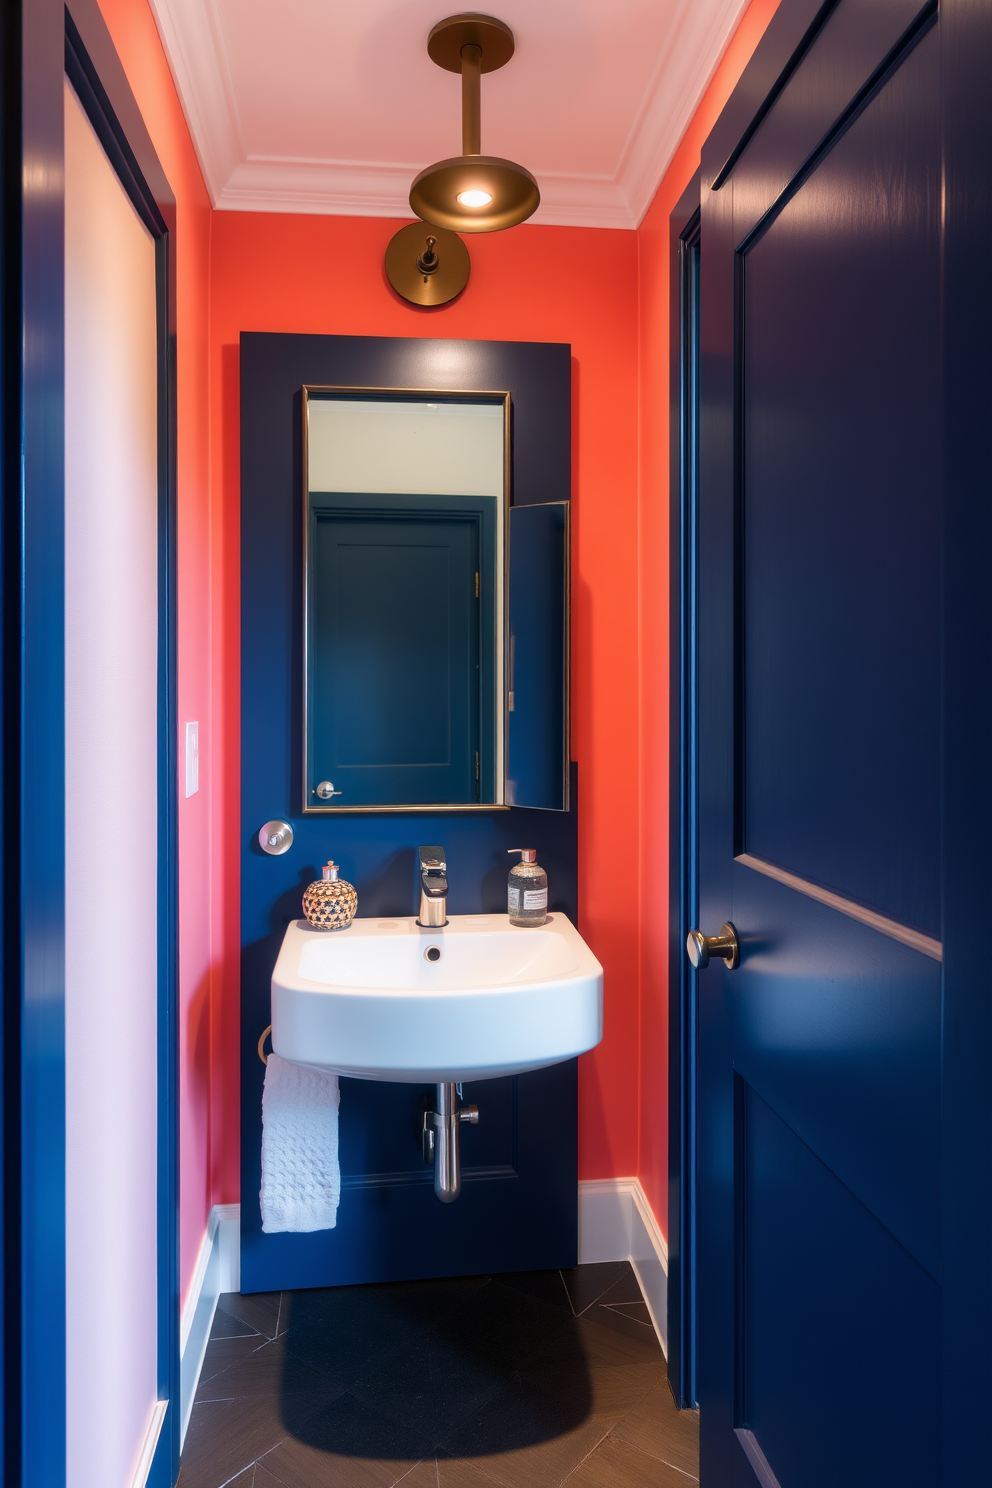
(396, 660)
(405, 583)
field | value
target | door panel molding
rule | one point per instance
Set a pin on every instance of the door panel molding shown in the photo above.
(912, 938)
(756, 1457)
(838, 532)
(788, 149)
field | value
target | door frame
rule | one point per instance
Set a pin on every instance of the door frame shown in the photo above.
(684, 238)
(963, 1377)
(43, 42)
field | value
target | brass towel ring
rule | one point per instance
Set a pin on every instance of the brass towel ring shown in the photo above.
(261, 1054)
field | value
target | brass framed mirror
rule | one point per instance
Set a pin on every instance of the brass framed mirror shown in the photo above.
(405, 583)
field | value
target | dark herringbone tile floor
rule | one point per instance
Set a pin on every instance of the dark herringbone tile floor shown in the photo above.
(523, 1381)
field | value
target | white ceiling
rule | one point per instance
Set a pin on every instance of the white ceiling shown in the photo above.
(332, 107)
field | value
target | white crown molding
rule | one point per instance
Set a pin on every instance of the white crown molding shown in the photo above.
(239, 182)
(191, 35)
(699, 39)
(350, 189)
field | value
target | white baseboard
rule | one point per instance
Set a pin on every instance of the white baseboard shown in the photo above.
(229, 1245)
(217, 1270)
(616, 1224)
(153, 1431)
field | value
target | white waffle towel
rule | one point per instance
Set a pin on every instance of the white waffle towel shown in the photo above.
(301, 1178)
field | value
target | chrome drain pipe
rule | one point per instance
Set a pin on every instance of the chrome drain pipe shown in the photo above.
(448, 1118)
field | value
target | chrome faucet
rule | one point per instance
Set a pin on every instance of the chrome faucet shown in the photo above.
(433, 888)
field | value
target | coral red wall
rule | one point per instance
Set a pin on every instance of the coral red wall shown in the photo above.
(200, 869)
(653, 516)
(606, 292)
(324, 274)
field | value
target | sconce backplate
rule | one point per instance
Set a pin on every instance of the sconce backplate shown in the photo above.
(405, 267)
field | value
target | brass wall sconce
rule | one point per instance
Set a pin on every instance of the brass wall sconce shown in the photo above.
(473, 192)
(427, 265)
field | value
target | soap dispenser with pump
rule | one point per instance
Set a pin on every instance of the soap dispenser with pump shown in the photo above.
(527, 890)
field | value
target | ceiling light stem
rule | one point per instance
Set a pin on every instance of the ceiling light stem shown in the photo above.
(471, 100)
(472, 192)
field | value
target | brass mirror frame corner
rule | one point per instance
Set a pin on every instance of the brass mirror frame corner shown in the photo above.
(413, 394)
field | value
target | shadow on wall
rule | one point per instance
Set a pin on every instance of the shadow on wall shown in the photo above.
(471, 1364)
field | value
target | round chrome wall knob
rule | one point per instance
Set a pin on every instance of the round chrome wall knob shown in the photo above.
(276, 837)
(725, 947)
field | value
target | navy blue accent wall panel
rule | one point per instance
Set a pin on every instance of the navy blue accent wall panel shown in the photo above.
(537, 375)
(518, 1208)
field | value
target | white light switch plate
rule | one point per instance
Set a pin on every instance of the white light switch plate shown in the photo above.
(192, 759)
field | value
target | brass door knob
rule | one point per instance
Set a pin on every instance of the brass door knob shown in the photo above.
(725, 946)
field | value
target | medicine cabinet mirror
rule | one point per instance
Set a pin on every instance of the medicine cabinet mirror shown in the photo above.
(435, 613)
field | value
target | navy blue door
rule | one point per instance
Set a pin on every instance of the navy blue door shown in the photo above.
(395, 656)
(821, 778)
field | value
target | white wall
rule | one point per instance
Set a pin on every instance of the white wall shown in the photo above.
(110, 787)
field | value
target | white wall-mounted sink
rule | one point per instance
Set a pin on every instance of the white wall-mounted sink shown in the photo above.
(387, 1000)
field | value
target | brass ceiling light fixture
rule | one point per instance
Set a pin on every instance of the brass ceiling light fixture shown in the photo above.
(473, 192)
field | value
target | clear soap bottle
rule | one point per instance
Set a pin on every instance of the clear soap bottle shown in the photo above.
(527, 890)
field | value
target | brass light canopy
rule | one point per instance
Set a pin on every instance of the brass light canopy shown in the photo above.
(473, 192)
(427, 265)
